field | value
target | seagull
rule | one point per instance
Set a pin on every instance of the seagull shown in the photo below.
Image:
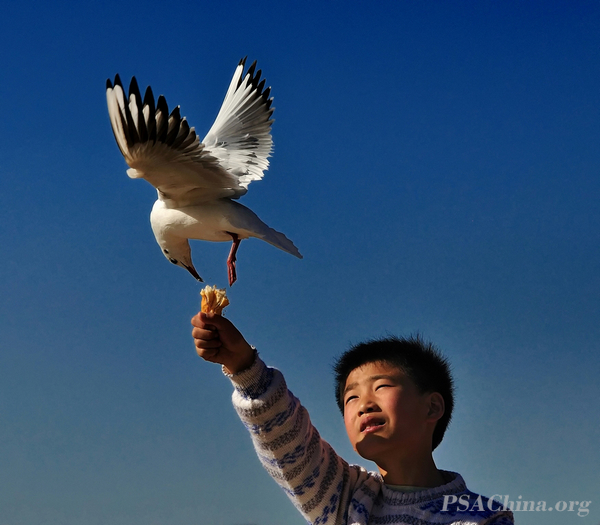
(198, 182)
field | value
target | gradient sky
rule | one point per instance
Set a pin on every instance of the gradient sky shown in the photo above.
(437, 164)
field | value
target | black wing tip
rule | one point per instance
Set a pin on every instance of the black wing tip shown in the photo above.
(256, 79)
(149, 98)
(261, 86)
(269, 105)
(161, 104)
(172, 128)
(252, 76)
(115, 83)
(134, 89)
(251, 69)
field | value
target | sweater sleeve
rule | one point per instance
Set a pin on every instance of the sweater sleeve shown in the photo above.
(316, 479)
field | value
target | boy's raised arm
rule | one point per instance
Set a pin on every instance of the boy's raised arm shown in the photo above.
(217, 340)
(316, 479)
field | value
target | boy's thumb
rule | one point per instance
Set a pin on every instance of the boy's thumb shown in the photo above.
(215, 320)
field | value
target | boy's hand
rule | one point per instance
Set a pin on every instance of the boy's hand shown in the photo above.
(217, 340)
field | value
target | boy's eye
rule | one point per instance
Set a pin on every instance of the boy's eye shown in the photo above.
(380, 386)
(349, 398)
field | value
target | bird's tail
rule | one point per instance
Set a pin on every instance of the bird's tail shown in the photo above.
(280, 241)
(248, 224)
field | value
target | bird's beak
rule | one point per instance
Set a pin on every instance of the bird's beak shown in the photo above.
(193, 271)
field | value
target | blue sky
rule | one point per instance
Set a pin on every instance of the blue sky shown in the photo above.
(436, 163)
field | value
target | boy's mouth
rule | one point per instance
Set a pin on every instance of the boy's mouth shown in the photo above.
(371, 424)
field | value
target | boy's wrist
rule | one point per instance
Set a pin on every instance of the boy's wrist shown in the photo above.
(254, 381)
(244, 363)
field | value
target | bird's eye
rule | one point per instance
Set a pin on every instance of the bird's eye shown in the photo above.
(173, 260)
(166, 251)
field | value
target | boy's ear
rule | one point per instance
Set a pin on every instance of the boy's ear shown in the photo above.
(437, 407)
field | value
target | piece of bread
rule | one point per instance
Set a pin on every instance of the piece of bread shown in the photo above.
(213, 300)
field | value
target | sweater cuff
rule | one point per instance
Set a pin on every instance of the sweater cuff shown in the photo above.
(253, 381)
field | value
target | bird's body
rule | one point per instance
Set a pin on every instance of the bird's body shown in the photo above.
(196, 181)
(215, 221)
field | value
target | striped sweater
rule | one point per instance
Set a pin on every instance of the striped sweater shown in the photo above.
(324, 487)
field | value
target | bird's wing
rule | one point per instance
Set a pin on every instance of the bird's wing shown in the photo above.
(241, 134)
(163, 149)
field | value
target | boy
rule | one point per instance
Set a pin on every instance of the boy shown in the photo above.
(393, 416)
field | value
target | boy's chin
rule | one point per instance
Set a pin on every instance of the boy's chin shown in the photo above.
(372, 448)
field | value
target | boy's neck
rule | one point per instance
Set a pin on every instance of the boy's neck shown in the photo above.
(413, 472)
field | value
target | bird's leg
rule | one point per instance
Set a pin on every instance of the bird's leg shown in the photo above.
(231, 259)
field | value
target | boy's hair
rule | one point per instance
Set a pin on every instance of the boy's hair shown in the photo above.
(419, 360)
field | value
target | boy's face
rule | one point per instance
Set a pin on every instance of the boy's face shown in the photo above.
(385, 414)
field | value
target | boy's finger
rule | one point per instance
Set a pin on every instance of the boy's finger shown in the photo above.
(201, 320)
(216, 321)
(207, 353)
(201, 343)
(204, 334)
(210, 321)
(198, 322)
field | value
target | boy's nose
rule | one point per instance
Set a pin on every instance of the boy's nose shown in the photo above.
(366, 407)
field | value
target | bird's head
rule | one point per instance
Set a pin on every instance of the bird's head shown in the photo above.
(179, 253)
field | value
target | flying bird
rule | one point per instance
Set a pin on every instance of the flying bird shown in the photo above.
(197, 182)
